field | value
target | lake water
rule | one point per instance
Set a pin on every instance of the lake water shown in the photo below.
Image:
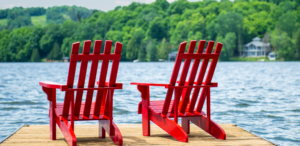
(261, 97)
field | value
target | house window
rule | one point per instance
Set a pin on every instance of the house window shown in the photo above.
(252, 47)
(263, 53)
(246, 48)
(258, 48)
(258, 53)
(253, 53)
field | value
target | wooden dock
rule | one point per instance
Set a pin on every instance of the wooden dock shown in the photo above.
(38, 135)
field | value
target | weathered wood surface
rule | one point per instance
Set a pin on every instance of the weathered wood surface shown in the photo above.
(37, 135)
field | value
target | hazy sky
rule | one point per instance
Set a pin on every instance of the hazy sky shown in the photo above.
(103, 5)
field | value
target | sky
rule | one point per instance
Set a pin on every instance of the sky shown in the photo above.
(104, 5)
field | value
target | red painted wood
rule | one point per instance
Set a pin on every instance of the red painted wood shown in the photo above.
(72, 110)
(95, 57)
(49, 84)
(173, 78)
(185, 70)
(100, 94)
(169, 126)
(150, 84)
(199, 56)
(115, 135)
(68, 132)
(71, 76)
(201, 121)
(115, 65)
(172, 87)
(81, 79)
(192, 77)
(200, 78)
(62, 113)
(210, 73)
(94, 67)
(159, 112)
(185, 124)
(145, 110)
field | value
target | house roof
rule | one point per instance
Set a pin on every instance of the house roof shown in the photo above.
(257, 42)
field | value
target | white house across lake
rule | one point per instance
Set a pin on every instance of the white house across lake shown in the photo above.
(256, 48)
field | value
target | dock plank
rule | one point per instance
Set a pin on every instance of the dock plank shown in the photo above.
(36, 135)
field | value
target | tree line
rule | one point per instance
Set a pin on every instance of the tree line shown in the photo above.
(19, 17)
(150, 31)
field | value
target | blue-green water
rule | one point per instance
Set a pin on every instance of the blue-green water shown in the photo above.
(261, 97)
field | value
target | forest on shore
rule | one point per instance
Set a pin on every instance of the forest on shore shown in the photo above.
(150, 32)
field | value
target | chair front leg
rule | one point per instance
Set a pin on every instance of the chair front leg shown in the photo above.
(51, 95)
(145, 94)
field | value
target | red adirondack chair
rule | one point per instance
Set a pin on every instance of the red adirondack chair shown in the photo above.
(160, 112)
(102, 108)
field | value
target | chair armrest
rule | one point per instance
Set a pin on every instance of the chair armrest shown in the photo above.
(150, 84)
(49, 84)
(118, 85)
(203, 84)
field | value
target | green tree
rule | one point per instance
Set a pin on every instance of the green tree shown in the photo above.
(283, 45)
(131, 52)
(163, 50)
(35, 56)
(177, 7)
(287, 22)
(142, 53)
(157, 29)
(55, 53)
(151, 50)
(228, 45)
(53, 34)
(297, 44)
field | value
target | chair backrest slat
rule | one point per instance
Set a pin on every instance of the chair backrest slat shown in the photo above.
(192, 77)
(82, 74)
(71, 76)
(173, 78)
(92, 77)
(185, 68)
(209, 77)
(113, 78)
(115, 66)
(200, 77)
(104, 67)
(187, 104)
(95, 58)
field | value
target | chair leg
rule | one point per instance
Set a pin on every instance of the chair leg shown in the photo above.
(185, 124)
(101, 131)
(52, 125)
(68, 132)
(215, 130)
(169, 126)
(146, 121)
(113, 133)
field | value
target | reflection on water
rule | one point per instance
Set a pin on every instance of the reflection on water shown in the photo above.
(261, 97)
